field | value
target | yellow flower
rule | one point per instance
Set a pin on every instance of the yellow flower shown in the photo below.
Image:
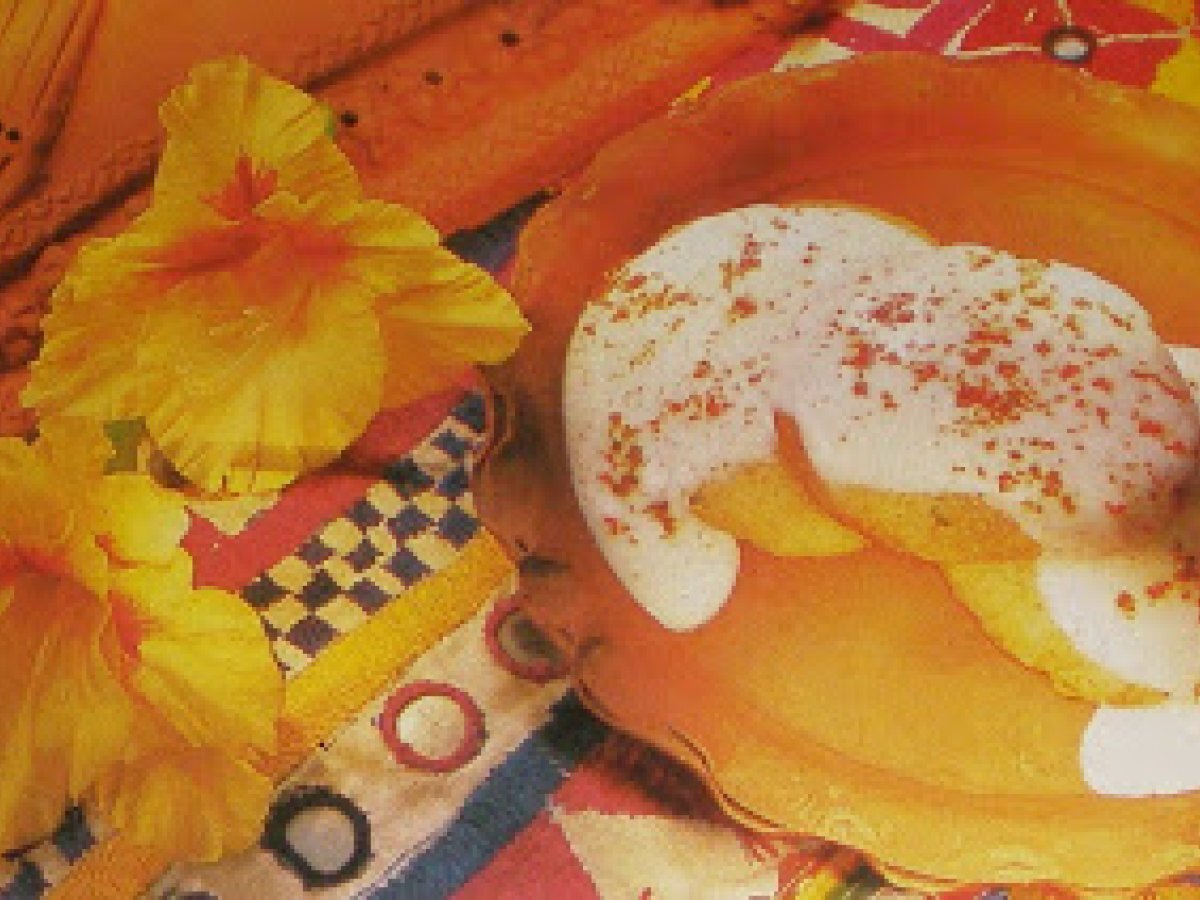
(261, 312)
(118, 675)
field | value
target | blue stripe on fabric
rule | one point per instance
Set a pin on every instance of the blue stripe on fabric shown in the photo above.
(501, 807)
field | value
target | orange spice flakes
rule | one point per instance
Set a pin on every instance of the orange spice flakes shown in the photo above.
(748, 260)
(1179, 393)
(702, 403)
(1020, 374)
(1181, 586)
(741, 308)
(636, 295)
(984, 402)
(615, 526)
(1040, 486)
(660, 512)
(624, 457)
(894, 310)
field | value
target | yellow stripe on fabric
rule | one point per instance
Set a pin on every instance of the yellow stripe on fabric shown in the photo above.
(356, 667)
(344, 678)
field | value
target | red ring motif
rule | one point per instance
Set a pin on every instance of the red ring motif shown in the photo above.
(474, 732)
(539, 670)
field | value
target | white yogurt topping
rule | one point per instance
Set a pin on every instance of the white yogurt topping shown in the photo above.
(1136, 612)
(1041, 389)
(669, 381)
(1187, 360)
(1142, 751)
(908, 367)
(1131, 613)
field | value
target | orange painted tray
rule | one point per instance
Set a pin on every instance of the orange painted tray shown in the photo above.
(858, 702)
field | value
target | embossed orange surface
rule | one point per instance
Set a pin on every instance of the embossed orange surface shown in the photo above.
(854, 697)
(457, 109)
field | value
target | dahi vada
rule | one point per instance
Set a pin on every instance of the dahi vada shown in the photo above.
(864, 476)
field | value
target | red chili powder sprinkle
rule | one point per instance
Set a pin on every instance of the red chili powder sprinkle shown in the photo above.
(742, 308)
(1179, 394)
(925, 371)
(976, 356)
(1069, 371)
(715, 406)
(616, 527)
(661, 513)
(1158, 590)
(894, 311)
(1008, 369)
(993, 405)
(984, 336)
(624, 456)
(861, 358)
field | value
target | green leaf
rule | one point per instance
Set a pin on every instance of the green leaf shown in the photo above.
(125, 435)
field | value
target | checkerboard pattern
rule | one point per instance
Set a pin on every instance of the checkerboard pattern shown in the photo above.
(411, 523)
(35, 870)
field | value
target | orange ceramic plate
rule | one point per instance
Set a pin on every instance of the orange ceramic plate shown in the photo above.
(854, 697)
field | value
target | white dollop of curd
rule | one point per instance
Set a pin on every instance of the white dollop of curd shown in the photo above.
(1142, 751)
(909, 367)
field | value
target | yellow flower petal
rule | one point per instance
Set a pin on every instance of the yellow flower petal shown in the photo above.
(241, 316)
(141, 521)
(73, 448)
(141, 587)
(229, 110)
(105, 638)
(86, 364)
(204, 661)
(64, 715)
(31, 801)
(433, 333)
(194, 804)
(42, 521)
(247, 403)
(32, 515)
(1179, 76)
(382, 246)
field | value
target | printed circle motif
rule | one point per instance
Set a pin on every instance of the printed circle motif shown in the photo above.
(321, 835)
(432, 727)
(520, 648)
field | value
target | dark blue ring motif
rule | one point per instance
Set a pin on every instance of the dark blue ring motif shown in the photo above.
(301, 800)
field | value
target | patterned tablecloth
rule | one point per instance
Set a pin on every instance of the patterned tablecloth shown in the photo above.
(477, 774)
